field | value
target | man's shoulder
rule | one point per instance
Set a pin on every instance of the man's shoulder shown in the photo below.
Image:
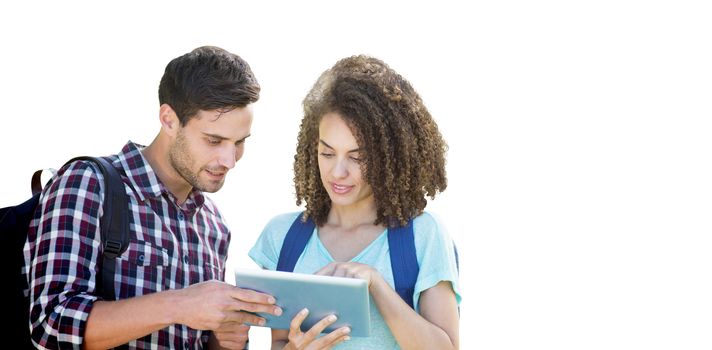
(78, 175)
(86, 168)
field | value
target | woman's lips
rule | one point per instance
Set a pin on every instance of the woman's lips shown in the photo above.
(341, 189)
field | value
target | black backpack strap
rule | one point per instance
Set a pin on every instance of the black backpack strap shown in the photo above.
(294, 243)
(404, 261)
(36, 184)
(114, 224)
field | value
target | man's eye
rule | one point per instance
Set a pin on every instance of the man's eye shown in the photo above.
(213, 141)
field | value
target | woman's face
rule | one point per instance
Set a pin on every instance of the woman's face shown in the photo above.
(340, 163)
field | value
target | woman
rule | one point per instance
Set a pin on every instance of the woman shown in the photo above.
(368, 154)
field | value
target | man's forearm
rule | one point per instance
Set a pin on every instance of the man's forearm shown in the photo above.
(112, 323)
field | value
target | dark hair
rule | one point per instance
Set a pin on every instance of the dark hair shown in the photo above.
(403, 156)
(207, 78)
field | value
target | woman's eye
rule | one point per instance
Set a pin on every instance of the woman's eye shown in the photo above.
(326, 155)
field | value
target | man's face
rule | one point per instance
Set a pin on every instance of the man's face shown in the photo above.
(209, 145)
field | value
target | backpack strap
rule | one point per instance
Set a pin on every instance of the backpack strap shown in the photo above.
(36, 182)
(404, 261)
(294, 243)
(114, 224)
(401, 242)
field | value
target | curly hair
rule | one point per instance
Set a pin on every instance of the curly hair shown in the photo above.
(402, 150)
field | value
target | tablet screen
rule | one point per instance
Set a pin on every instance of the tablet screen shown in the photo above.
(347, 298)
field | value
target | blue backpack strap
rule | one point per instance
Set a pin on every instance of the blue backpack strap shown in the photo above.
(294, 243)
(404, 261)
(401, 242)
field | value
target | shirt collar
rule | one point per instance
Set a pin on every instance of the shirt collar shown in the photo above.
(145, 182)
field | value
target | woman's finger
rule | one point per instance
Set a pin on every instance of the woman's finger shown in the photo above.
(296, 324)
(327, 270)
(337, 336)
(319, 327)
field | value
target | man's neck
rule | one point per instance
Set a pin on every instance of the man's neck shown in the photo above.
(156, 155)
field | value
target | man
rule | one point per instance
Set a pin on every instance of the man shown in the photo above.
(168, 282)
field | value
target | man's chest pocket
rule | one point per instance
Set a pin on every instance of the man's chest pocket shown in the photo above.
(144, 268)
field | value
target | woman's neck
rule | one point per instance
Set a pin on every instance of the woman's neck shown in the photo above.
(354, 215)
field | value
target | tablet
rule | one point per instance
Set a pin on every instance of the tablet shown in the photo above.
(347, 298)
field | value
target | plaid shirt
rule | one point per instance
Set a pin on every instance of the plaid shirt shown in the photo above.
(171, 247)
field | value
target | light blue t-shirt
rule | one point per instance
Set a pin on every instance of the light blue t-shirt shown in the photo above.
(434, 250)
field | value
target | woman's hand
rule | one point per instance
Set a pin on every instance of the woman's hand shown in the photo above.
(299, 340)
(352, 270)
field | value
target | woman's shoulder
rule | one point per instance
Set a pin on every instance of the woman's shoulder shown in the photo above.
(427, 227)
(434, 245)
(281, 223)
(427, 222)
(285, 217)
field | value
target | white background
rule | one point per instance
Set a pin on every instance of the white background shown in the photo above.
(579, 165)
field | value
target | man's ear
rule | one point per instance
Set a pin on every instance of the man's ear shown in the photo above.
(169, 119)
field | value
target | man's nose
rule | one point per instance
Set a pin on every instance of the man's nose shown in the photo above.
(228, 156)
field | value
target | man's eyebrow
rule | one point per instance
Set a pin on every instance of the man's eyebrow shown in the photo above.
(327, 145)
(223, 137)
(215, 136)
(244, 138)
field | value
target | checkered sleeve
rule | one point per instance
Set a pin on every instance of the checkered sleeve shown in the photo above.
(64, 247)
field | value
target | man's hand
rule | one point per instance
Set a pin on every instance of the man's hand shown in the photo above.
(211, 304)
(231, 335)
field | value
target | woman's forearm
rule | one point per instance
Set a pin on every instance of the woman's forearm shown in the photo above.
(411, 330)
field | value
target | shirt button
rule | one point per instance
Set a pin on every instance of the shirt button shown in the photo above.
(187, 344)
(140, 258)
(186, 259)
(180, 215)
